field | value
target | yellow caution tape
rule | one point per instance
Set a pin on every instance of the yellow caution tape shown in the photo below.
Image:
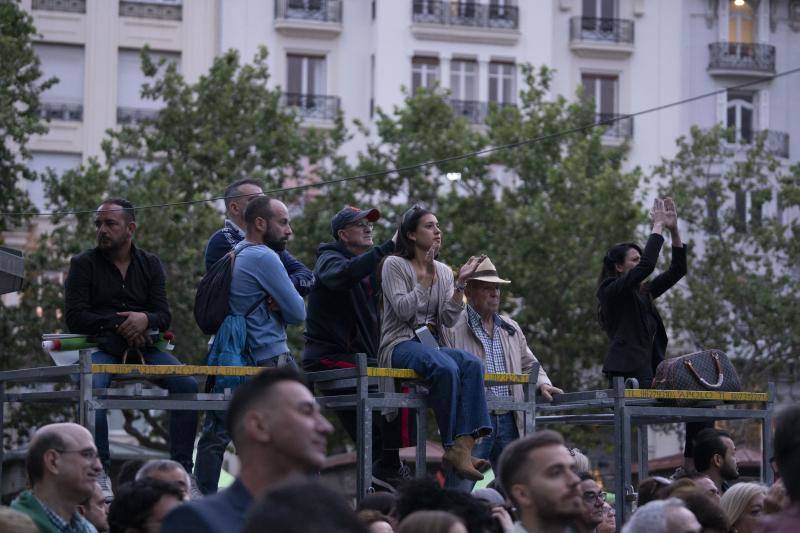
(406, 373)
(177, 370)
(199, 370)
(696, 395)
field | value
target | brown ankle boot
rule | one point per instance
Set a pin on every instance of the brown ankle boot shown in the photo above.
(459, 456)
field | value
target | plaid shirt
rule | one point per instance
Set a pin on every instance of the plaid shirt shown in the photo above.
(76, 524)
(492, 347)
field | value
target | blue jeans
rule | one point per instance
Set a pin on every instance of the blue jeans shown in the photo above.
(504, 432)
(182, 424)
(214, 438)
(456, 391)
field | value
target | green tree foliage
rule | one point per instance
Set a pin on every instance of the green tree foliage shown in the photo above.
(552, 226)
(736, 200)
(20, 109)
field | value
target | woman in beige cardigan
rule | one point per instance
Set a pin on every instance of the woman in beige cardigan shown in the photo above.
(420, 291)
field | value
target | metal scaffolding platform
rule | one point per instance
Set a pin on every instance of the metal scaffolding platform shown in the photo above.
(628, 411)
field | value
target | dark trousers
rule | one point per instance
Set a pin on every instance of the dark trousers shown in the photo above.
(214, 438)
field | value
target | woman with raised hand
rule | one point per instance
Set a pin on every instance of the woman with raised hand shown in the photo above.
(627, 312)
(420, 295)
(626, 309)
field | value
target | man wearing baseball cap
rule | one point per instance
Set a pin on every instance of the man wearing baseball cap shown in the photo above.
(342, 316)
(500, 343)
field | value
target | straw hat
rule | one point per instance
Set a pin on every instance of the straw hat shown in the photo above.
(487, 272)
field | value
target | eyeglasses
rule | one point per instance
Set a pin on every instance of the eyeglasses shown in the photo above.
(90, 454)
(362, 225)
(590, 497)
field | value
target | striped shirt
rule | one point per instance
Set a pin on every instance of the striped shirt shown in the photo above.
(492, 347)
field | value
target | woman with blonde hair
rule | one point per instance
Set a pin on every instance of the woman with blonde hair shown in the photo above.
(432, 522)
(743, 504)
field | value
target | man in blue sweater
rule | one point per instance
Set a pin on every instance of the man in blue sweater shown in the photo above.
(237, 196)
(258, 275)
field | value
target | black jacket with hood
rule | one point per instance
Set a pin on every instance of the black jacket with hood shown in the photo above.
(342, 316)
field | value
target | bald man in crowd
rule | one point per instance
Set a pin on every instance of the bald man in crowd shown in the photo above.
(62, 467)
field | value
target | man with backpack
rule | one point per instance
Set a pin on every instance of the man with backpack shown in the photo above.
(265, 300)
(237, 195)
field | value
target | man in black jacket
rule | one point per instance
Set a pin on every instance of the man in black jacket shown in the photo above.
(116, 293)
(342, 317)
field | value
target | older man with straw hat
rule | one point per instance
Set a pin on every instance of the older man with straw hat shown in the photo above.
(499, 341)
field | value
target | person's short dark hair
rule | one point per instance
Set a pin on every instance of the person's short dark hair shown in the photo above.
(286, 509)
(133, 503)
(128, 470)
(128, 209)
(34, 460)
(253, 391)
(232, 191)
(383, 502)
(257, 208)
(786, 445)
(585, 476)
(426, 495)
(429, 521)
(707, 444)
(652, 488)
(515, 460)
(371, 516)
(706, 510)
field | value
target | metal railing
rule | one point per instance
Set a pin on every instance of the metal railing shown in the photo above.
(619, 126)
(601, 30)
(776, 143)
(465, 14)
(742, 56)
(134, 115)
(150, 10)
(69, 6)
(474, 111)
(312, 106)
(317, 10)
(72, 112)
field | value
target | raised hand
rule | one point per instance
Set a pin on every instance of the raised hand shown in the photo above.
(670, 214)
(658, 215)
(469, 268)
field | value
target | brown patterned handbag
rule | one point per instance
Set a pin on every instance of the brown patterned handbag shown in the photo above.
(709, 370)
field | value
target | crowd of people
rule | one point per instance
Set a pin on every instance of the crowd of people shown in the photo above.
(280, 436)
(396, 303)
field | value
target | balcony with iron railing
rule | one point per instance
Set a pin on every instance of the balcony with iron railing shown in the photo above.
(776, 143)
(309, 18)
(618, 128)
(68, 111)
(317, 108)
(465, 21)
(601, 37)
(67, 6)
(151, 10)
(741, 59)
(130, 116)
(475, 111)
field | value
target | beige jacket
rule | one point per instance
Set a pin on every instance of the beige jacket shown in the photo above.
(519, 357)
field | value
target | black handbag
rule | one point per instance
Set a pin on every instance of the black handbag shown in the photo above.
(709, 370)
